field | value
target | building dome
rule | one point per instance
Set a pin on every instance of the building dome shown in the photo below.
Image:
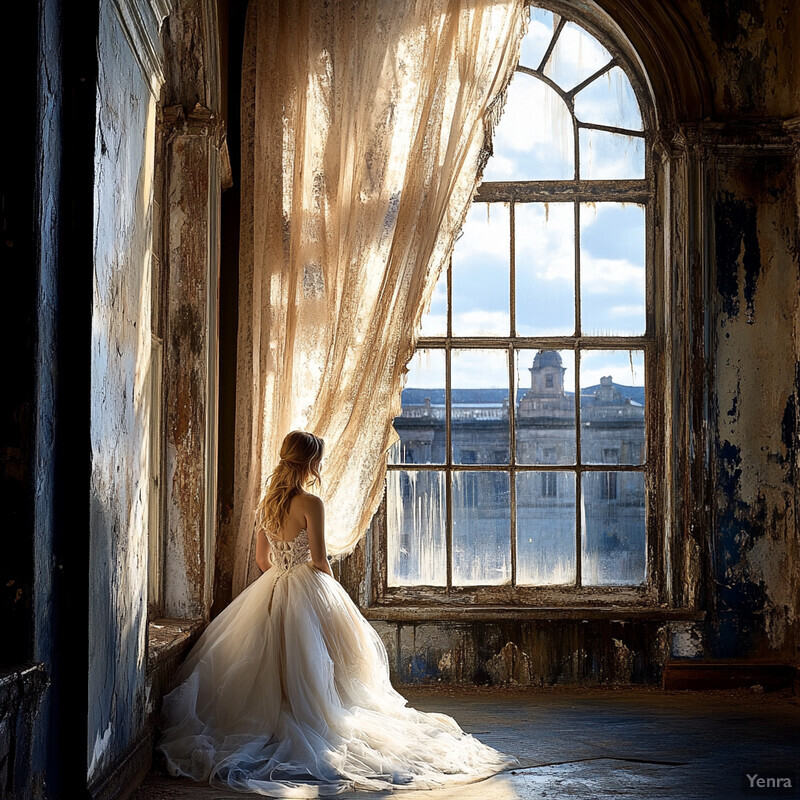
(547, 358)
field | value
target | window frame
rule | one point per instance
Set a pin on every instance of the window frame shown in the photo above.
(643, 192)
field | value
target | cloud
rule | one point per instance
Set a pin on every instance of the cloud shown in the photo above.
(545, 242)
(616, 363)
(608, 275)
(611, 155)
(426, 369)
(609, 100)
(479, 369)
(478, 322)
(433, 325)
(631, 311)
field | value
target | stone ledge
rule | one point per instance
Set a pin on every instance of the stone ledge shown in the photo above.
(437, 613)
(169, 637)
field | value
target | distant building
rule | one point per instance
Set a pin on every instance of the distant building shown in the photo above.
(612, 432)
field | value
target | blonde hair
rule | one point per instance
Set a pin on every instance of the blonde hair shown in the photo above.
(301, 453)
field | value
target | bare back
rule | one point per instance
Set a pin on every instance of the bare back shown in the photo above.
(295, 521)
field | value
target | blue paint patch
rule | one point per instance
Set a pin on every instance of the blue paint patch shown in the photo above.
(737, 625)
(419, 670)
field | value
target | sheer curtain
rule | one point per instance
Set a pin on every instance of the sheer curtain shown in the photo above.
(365, 126)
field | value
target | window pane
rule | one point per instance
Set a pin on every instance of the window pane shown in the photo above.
(576, 56)
(434, 322)
(532, 146)
(481, 528)
(479, 407)
(545, 412)
(609, 100)
(612, 407)
(540, 31)
(481, 272)
(415, 528)
(612, 269)
(421, 424)
(613, 522)
(610, 155)
(545, 528)
(545, 269)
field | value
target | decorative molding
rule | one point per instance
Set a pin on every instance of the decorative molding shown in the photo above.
(735, 137)
(200, 121)
(161, 8)
(141, 21)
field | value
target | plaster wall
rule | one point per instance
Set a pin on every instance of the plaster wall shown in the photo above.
(120, 390)
(751, 46)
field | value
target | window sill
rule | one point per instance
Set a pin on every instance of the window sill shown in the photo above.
(167, 638)
(473, 613)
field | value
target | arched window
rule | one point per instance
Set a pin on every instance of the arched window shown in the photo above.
(524, 413)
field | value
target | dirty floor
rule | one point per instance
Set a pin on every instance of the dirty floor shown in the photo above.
(603, 743)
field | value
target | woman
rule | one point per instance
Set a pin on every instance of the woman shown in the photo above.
(287, 692)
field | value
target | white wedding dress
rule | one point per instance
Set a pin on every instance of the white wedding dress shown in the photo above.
(287, 694)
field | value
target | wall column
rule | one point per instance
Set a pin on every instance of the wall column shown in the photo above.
(191, 231)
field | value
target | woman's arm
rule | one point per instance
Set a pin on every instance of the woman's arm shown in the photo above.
(263, 550)
(314, 512)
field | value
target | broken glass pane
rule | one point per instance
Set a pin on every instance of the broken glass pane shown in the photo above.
(532, 146)
(545, 269)
(612, 407)
(576, 56)
(545, 411)
(415, 528)
(609, 100)
(610, 155)
(613, 523)
(479, 407)
(481, 272)
(481, 528)
(612, 269)
(421, 424)
(545, 528)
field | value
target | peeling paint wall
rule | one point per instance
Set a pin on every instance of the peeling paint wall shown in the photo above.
(120, 388)
(527, 653)
(755, 303)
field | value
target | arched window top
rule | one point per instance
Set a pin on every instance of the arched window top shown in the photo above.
(571, 111)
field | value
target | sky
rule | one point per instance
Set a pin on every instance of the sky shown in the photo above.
(534, 141)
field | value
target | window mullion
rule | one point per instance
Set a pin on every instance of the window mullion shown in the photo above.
(578, 470)
(578, 332)
(512, 395)
(561, 23)
(448, 484)
(512, 474)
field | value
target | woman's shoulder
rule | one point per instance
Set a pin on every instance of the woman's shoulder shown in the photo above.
(305, 501)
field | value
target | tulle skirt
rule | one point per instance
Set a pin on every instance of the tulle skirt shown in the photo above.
(287, 694)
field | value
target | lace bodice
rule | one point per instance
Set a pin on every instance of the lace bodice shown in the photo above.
(286, 555)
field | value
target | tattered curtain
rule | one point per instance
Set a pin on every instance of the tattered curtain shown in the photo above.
(365, 126)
